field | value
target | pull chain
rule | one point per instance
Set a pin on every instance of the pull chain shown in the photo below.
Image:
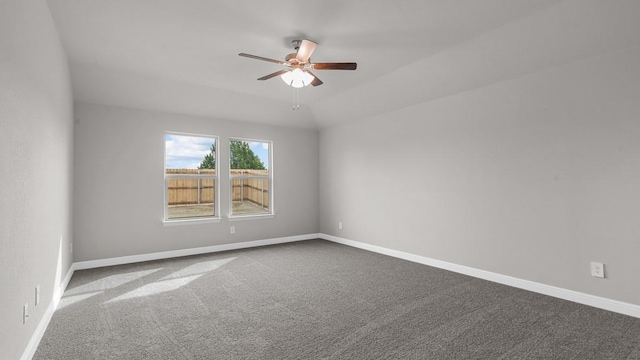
(296, 99)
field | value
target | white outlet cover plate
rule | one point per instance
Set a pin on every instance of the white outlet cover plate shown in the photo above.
(597, 269)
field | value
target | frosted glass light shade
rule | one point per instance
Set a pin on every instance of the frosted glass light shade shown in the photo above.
(297, 78)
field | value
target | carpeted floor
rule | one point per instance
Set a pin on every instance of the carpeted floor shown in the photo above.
(319, 300)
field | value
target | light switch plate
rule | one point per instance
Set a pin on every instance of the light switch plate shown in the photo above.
(25, 313)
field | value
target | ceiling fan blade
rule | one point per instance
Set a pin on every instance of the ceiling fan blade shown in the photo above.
(334, 66)
(263, 58)
(304, 52)
(316, 81)
(277, 73)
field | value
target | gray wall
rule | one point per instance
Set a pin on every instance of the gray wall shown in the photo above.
(36, 139)
(119, 184)
(532, 177)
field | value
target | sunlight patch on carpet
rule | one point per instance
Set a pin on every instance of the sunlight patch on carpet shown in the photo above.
(109, 282)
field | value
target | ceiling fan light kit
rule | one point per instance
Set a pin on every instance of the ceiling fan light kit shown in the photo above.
(297, 78)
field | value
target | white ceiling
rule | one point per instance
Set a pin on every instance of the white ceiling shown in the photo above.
(182, 56)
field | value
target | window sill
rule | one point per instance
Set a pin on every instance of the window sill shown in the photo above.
(190, 221)
(251, 217)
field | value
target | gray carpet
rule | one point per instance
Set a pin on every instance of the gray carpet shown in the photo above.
(319, 300)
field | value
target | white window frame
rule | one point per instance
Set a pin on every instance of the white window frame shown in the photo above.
(216, 181)
(269, 177)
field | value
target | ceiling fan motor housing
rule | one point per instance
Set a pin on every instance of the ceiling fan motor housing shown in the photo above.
(290, 57)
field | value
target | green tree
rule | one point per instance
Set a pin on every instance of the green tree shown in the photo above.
(242, 157)
(209, 161)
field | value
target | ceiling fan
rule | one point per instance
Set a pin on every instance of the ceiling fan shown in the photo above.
(297, 72)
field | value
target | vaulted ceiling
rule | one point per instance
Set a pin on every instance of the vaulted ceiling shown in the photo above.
(182, 56)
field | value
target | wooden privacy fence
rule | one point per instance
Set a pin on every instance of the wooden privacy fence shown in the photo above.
(253, 186)
(246, 185)
(190, 190)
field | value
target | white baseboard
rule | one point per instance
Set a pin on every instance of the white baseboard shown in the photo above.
(32, 346)
(578, 297)
(187, 252)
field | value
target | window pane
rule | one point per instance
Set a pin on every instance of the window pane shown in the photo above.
(250, 177)
(190, 197)
(250, 196)
(189, 152)
(190, 176)
(252, 155)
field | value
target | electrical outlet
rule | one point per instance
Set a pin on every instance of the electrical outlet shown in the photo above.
(232, 230)
(597, 269)
(25, 313)
(37, 295)
(339, 225)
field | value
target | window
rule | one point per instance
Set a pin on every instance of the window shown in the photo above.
(251, 177)
(190, 177)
